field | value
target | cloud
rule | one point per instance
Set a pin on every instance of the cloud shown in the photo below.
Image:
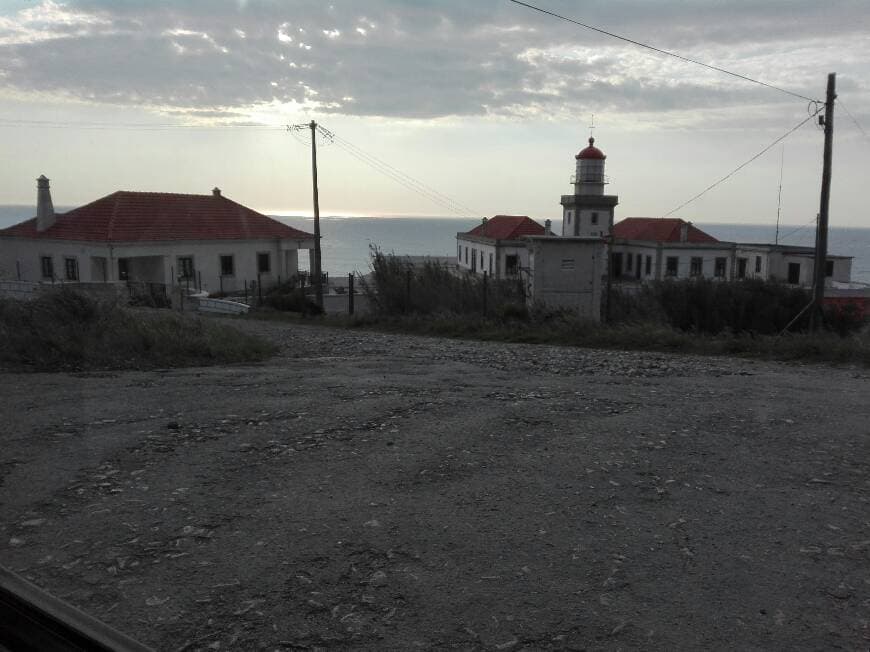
(426, 60)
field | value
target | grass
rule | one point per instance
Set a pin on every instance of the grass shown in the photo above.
(64, 330)
(565, 330)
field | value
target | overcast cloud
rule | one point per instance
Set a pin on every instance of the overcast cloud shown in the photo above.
(425, 59)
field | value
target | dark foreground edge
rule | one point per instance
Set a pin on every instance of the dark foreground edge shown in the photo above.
(31, 619)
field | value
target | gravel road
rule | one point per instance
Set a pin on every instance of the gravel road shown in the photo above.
(373, 491)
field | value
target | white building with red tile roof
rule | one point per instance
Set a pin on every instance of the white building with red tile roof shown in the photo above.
(497, 246)
(206, 241)
(656, 248)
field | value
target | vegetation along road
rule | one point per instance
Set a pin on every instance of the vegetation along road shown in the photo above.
(372, 491)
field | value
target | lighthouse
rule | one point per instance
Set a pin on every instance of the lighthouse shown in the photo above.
(588, 212)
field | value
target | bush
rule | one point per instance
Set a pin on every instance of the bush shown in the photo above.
(287, 297)
(67, 330)
(397, 288)
(713, 307)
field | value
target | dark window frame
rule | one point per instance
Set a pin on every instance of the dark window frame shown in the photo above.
(46, 266)
(742, 264)
(648, 266)
(829, 268)
(268, 267)
(696, 266)
(71, 268)
(720, 264)
(758, 264)
(222, 259)
(186, 268)
(512, 264)
(672, 265)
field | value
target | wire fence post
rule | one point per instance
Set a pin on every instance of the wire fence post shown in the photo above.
(221, 279)
(199, 280)
(246, 290)
(485, 282)
(350, 294)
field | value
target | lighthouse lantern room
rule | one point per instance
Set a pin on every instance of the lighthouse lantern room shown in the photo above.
(588, 212)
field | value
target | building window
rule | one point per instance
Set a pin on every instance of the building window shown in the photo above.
(490, 264)
(794, 273)
(227, 266)
(568, 216)
(648, 269)
(719, 269)
(264, 263)
(741, 268)
(829, 268)
(466, 255)
(185, 267)
(47, 265)
(567, 264)
(71, 267)
(671, 265)
(474, 260)
(758, 264)
(511, 263)
(628, 260)
(594, 219)
(481, 259)
(616, 264)
(696, 266)
(123, 269)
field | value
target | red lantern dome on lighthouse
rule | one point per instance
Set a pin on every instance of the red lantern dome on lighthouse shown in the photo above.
(591, 152)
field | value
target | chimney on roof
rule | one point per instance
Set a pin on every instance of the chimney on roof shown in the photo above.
(483, 224)
(684, 231)
(216, 191)
(44, 207)
(548, 230)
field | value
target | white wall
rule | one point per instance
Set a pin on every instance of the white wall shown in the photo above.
(567, 273)
(152, 262)
(499, 249)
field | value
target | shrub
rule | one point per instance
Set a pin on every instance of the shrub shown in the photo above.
(396, 288)
(288, 297)
(67, 330)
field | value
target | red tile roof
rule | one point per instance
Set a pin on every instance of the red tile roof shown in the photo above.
(658, 229)
(507, 227)
(156, 216)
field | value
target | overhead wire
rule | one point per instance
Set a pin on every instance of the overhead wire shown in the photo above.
(660, 50)
(857, 124)
(404, 179)
(744, 164)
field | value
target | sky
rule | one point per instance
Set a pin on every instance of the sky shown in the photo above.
(482, 104)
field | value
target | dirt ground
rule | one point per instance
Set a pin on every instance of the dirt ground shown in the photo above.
(374, 491)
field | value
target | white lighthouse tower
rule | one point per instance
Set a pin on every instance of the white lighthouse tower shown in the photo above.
(588, 212)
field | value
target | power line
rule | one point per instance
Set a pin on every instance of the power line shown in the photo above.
(857, 124)
(416, 182)
(800, 228)
(660, 51)
(743, 165)
(406, 182)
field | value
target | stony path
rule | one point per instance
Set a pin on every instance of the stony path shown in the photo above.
(378, 491)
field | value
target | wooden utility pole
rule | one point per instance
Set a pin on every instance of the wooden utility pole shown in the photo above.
(318, 284)
(821, 253)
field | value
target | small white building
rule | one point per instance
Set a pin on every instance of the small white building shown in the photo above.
(568, 273)
(650, 248)
(205, 241)
(497, 246)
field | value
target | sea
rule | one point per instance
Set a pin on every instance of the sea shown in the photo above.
(348, 241)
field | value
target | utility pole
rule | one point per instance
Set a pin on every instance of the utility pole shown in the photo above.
(316, 273)
(318, 279)
(821, 254)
